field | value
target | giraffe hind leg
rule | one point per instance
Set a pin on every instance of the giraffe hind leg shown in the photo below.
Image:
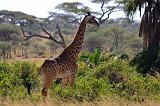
(73, 75)
(64, 82)
(47, 80)
(45, 88)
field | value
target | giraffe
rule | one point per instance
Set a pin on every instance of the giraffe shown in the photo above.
(64, 66)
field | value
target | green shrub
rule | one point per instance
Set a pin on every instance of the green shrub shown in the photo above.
(14, 77)
(111, 78)
(5, 83)
(27, 72)
(146, 62)
(92, 59)
(6, 78)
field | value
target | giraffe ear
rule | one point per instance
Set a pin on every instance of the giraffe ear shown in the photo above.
(88, 13)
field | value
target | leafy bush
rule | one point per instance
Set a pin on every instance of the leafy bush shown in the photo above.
(146, 62)
(5, 78)
(112, 78)
(14, 77)
(27, 72)
(92, 59)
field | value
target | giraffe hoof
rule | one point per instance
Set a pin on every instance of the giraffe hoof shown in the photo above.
(44, 100)
(44, 92)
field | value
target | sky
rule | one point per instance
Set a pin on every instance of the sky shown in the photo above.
(41, 8)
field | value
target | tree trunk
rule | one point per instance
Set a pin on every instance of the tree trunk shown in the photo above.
(26, 52)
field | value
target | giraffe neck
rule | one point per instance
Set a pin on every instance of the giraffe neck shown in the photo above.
(78, 40)
(72, 51)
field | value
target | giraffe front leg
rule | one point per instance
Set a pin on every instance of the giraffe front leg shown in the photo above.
(64, 82)
(71, 80)
(73, 75)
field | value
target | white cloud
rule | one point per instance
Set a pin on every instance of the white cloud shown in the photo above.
(40, 8)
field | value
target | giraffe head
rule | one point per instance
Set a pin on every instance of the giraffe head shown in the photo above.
(90, 19)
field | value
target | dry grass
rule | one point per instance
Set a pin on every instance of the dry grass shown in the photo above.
(79, 104)
(37, 61)
(53, 102)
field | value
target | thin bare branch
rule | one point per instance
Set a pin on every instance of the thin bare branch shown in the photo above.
(50, 37)
(72, 21)
(108, 12)
(102, 6)
(61, 36)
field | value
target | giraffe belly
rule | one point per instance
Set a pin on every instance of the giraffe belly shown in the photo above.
(60, 73)
(59, 76)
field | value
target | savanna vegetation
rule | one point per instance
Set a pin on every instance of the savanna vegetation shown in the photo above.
(115, 63)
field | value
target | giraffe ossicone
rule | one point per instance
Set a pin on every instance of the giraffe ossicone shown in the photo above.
(64, 66)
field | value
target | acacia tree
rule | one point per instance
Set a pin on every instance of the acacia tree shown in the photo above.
(72, 12)
(117, 34)
(94, 40)
(6, 30)
(106, 9)
(6, 38)
(25, 21)
(149, 30)
(5, 49)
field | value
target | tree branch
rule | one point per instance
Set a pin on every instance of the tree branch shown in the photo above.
(108, 12)
(50, 37)
(61, 36)
(102, 6)
(71, 21)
